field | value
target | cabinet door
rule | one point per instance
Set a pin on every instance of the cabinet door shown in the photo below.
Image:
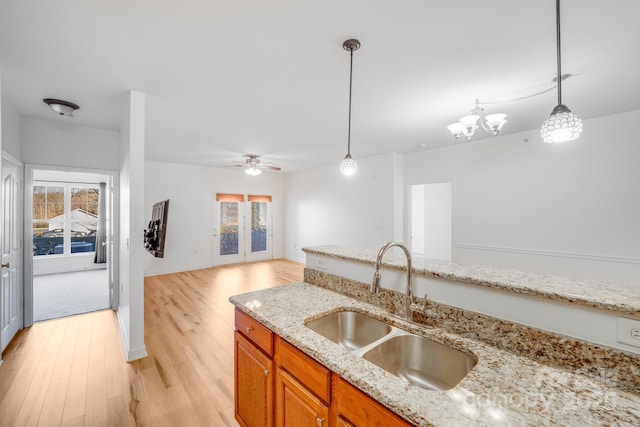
(296, 406)
(253, 385)
(361, 410)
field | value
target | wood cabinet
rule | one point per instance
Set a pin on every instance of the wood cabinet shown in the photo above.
(253, 374)
(277, 384)
(360, 410)
(303, 388)
(296, 406)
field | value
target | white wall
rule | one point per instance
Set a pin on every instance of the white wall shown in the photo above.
(131, 249)
(11, 130)
(568, 209)
(61, 143)
(323, 207)
(190, 190)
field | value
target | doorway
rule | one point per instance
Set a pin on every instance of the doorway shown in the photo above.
(432, 220)
(242, 230)
(71, 234)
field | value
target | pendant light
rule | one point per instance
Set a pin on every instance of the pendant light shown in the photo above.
(348, 166)
(562, 125)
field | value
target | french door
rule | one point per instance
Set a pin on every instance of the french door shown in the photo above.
(242, 228)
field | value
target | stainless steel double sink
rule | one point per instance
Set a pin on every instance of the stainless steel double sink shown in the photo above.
(420, 361)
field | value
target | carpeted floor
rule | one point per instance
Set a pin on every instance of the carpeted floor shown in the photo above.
(66, 294)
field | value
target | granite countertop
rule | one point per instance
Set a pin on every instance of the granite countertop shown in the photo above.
(502, 389)
(622, 299)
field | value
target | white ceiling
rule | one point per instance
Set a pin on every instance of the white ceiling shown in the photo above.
(227, 78)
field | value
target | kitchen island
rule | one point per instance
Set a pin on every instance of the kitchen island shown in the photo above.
(503, 388)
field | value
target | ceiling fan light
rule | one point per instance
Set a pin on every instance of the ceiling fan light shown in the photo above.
(252, 171)
(348, 166)
(561, 126)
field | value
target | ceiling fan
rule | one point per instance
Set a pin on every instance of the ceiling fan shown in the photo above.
(253, 165)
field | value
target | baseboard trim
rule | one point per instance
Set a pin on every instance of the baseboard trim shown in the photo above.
(137, 353)
(175, 270)
(555, 254)
(129, 354)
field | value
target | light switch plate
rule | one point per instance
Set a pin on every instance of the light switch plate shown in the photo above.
(628, 331)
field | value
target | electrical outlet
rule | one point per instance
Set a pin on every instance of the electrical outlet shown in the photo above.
(322, 264)
(628, 331)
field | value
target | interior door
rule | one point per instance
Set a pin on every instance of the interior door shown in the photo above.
(11, 290)
(228, 229)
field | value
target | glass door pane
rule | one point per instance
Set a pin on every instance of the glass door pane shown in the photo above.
(259, 223)
(229, 228)
(228, 233)
(48, 220)
(258, 226)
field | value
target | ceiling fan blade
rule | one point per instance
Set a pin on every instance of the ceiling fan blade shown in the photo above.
(273, 168)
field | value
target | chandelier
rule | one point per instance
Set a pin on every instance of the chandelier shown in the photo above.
(467, 125)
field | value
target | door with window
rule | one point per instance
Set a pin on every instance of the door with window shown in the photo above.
(242, 228)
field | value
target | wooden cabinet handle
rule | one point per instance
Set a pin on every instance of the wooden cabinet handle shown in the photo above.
(7, 265)
(266, 372)
(319, 421)
(249, 329)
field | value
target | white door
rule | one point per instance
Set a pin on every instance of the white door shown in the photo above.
(242, 229)
(11, 307)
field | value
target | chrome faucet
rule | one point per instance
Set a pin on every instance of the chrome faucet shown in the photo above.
(375, 285)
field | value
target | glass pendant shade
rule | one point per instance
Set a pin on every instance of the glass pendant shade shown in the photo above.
(348, 166)
(469, 124)
(456, 129)
(495, 122)
(561, 126)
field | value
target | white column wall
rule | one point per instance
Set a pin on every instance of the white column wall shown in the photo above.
(191, 190)
(131, 246)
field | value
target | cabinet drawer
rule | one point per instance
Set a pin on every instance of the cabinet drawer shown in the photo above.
(362, 410)
(252, 329)
(312, 374)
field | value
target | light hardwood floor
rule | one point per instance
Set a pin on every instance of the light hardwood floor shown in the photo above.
(72, 372)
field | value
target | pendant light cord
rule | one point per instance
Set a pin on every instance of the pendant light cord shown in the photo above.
(350, 85)
(558, 51)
